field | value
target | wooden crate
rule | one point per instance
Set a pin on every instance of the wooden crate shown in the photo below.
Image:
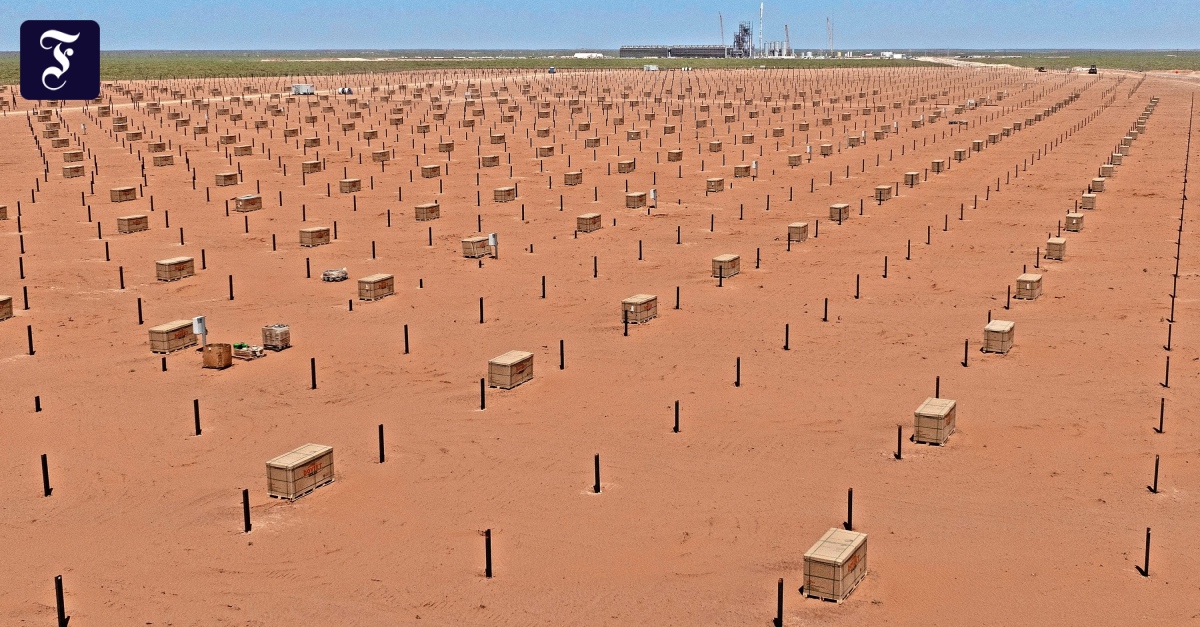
(1056, 248)
(715, 184)
(276, 337)
(172, 336)
(218, 356)
(1029, 286)
(300, 471)
(591, 142)
(545, 151)
(797, 231)
(715, 145)
(6, 307)
(446, 146)
(588, 222)
(977, 145)
(669, 129)
(504, 194)
(725, 266)
(122, 194)
(795, 160)
(226, 139)
(835, 565)
(370, 134)
(826, 150)
(747, 138)
(381, 156)
(1107, 170)
(633, 135)
(1074, 222)
(839, 212)
(312, 142)
(912, 178)
(475, 247)
(583, 126)
(72, 171)
(510, 369)
(993, 138)
(934, 421)
(174, 268)
(315, 236)
(633, 200)
(1116, 158)
(937, 166)
(3, 212)
(960, 154)
(376, 286)
(133, 224)
(71, 156)
(347, 126)
(428, 211)
(626, 166)
(243, 150)
(225, 179)
(1097, 185)
(998, 336)
(639, 308)
(853, 141)
(59, 142)
(309, 167)
(803, 126)
(248, 203)
(883, 192)
(741, 170)
(163, 160)
(350, 186)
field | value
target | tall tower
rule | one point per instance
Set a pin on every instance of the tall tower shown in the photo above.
(761, 44)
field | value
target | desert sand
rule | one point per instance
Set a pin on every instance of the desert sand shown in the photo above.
(1033, 513)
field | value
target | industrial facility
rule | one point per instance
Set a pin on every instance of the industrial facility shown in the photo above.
(744, 45)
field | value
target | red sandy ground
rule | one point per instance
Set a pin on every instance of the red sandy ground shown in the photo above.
(1034, 513)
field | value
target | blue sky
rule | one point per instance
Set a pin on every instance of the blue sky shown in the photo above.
(365, 24)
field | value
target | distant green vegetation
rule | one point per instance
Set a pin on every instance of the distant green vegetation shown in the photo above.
(129, 65)
(1137, 60)
(238, 64)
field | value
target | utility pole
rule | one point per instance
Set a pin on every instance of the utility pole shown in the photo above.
(721, 18)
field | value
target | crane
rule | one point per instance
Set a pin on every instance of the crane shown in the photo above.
(829, 31)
